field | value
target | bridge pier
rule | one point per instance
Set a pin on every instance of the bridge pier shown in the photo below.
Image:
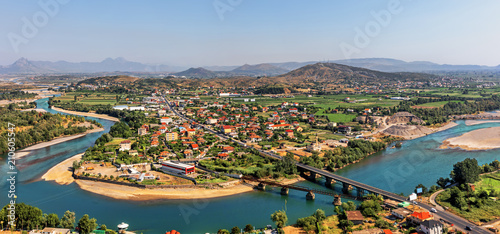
(329, 182)
(310, 195)
(284, 191)
(346, 187)
(337, 201)
(360, 192)
(261, 186)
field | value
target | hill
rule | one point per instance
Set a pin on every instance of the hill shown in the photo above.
(109, 80)
(332, 73)
(201, 73)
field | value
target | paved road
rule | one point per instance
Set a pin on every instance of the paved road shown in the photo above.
(458, 222)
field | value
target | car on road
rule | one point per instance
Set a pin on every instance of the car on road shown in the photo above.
(468, 228)
(415, 203)
(433, 210)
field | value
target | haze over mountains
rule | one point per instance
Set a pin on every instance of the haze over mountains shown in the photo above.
(25, 66)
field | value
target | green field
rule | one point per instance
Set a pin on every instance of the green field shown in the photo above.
(337, 118)
(326, 101)
(95, 98)
(436, 104)
(489, 182)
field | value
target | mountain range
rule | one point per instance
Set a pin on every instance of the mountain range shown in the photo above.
(25, 66)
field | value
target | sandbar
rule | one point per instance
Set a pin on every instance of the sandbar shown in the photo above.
(100, 116)
(61, 173)
(123, 192)
(480, 139)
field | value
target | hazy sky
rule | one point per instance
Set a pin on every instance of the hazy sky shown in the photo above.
(234, 32)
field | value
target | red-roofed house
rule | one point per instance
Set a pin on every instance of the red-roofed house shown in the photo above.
(419, 217)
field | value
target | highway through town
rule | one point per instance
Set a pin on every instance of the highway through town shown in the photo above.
(445, 216)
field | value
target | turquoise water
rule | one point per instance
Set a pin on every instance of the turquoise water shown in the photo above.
(397, 170)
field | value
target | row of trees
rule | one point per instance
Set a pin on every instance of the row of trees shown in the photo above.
(16, 95)
(30, 217)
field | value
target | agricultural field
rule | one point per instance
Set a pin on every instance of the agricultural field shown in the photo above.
(97, 98)
(337, 118)
(326, 101)
(434, 104)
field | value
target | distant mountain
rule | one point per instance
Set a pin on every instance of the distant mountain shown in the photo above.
(292, 65)
(201, 73)
(23, 65)
(394, 65)
(263, 69)
(259, 70)
(332, 73)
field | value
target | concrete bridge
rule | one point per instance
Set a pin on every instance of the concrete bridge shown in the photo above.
(347, 184)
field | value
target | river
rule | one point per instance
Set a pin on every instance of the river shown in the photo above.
(396, 170)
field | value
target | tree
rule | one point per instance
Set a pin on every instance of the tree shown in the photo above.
(52, 220)
(349, 206)
(442, 182)
(223, 231)
(279, 218)
(68, 220)
(248, 228)
(319, 215)
(466, 171)
(103, 227)
(87, 225)
(235, 230)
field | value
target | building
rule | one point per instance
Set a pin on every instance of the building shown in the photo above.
(400, 213)
(165, 120)
(355, 217)
(419, 217)
(177, 167)
(171, 136)
(344, 129)
(289, 133)
(431, 227)
(125, 145)
(142, 131)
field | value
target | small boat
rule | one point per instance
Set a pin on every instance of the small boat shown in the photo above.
(122, 227)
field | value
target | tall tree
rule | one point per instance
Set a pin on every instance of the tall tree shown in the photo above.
(279, 218)
(52, 220)
(87, 225)
(68, 220)
(466, 171)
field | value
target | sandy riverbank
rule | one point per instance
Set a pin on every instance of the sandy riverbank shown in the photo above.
(28, 150)
(410, 132)
(137, 194)
(61, 173)
(100, 116)
(480, 139)
(475, 122)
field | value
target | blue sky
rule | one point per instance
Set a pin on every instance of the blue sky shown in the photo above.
(194, 33)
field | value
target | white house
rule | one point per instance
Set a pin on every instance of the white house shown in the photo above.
(431, 227)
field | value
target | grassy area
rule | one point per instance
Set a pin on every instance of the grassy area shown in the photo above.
(327, 101)
(436, 104)
(489, 182)
(117, 141)
(344, 118)
(329, 225)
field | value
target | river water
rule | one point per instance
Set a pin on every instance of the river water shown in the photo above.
(395, 170)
